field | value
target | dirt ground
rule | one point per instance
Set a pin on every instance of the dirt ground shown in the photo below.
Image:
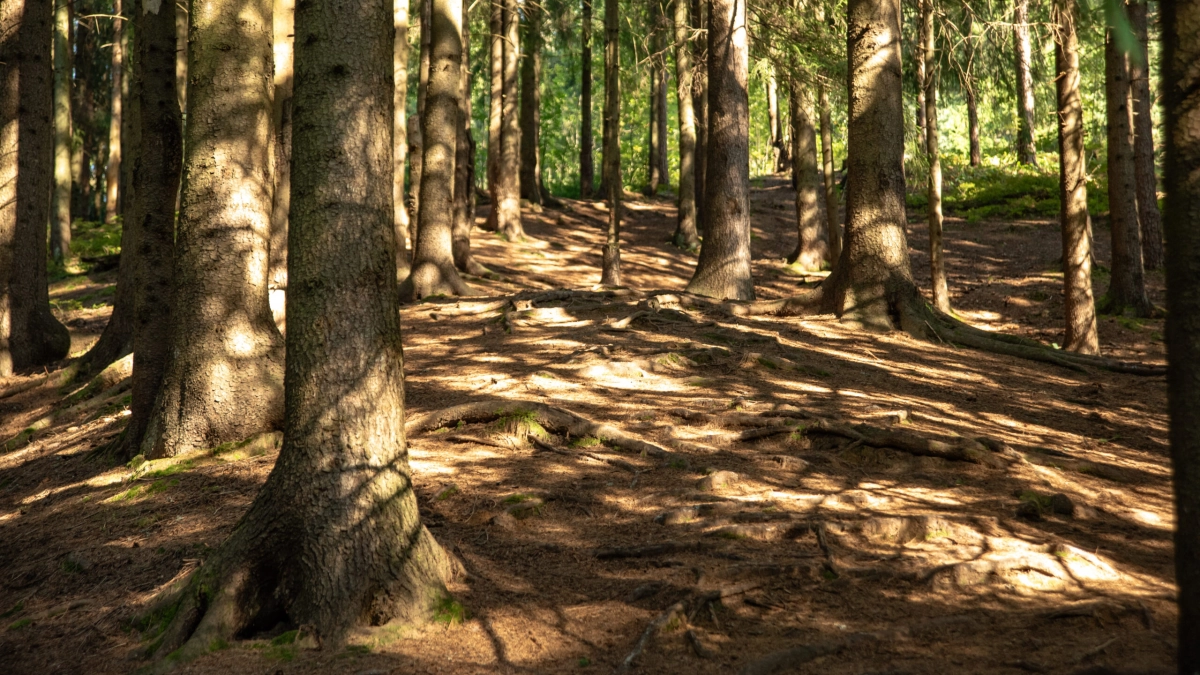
(858, 559)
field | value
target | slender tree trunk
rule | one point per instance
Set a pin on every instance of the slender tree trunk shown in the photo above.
(464, 166)
(224, 375)
(685, 236)
(83, 114)
(495, 110)
(156, 181)
(1078, 304)
(416, 140)
(112, 175)
(970, 87)
(1025, 142)
(700, 13)
(334, 539)
(60, 210)
(937, 263)
(29, 334)
(920, 73)
(833, 230)
(1127, 288)
(508, 179)
(1143, 143)
(723, 270)
(587, 168)
(872, 281)
(1179, 84)
(531, 107)
(281, 126)
(811, 247)
(400, 218)
(656, 175)
(610, 274)
(777, 158)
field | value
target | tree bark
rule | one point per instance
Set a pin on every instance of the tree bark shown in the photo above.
(223, 378)
(1078, 304)
(610, 272)
(433, 271)
(1143, 143)
(416, 153)
(811, 247)
(60, 207)
(181, 52)
(1127, 287)
(700, 13)
(156, 182)
(587, 168)
(531, 107)
(334, 538)
(937, 264)
(969, 85)
(833, 230)
(1181, 105)
(29, 334)
(920, 74)
(284, 19)
(1026, 153)
(506, 202)
(82, 112)
(872, 281)
(112, 174)
(464, 166)
(400, 218)
(723, 270)
(685, 235)
(496, 107)
(656, 175)
(778, 162)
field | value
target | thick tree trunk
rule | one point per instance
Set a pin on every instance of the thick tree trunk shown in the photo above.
(416, 150)
(156, 182)
(1127, 288)
(464, 166)
(872, 281)
(506, 202)
(495, 108)
(724, 267)
(1078, 304)
(811, 247)
(281, 126)
(610, 272)
(400, 218)
(587, 168)
(937, 264)
(969, 85)
(112, 175)
(334, 539)
(531, 107)
(29, 334)
(833, 230)
(700, 13)
(1026, 153)
(223, 379)
(1181, 105)
(433, 271)
(60, 206)
(1143, 143)
(685, 235)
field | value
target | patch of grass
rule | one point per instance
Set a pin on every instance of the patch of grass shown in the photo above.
(518, 498)
(447, 493)
(586, 442)
(128, 495)
(584, 662)
(729, 534)
(1130, 323)
(356, 650)
(520, 422)
(19, 624)
(285, 638)
(767, 363)
(218, 645)
(450, 611)
(678, 464)
(15, 608)
(701, 382)
(1038, 295)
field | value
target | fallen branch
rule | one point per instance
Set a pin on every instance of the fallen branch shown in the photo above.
(648, 634)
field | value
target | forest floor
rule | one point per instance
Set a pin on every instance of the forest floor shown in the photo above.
(856, 558)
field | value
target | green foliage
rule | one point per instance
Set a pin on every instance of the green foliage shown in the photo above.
(450, 611)
(586, 442)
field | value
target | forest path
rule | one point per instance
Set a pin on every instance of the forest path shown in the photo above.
(884, 560)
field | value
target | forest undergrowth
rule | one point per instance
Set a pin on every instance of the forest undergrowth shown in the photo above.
(637, 481)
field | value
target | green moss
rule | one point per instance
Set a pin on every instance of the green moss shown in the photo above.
(286, 638)
(586, 442)
(450, 611)
(19, 624)
(15, 608)
(218, 645)
(518, 498)
(521, 422)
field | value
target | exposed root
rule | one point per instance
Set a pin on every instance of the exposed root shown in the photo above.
(613, 461)
(651, 550)
(962, 449)
(651, 630)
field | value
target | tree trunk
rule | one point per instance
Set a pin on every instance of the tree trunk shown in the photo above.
(937, 264)
(29, 334)
(969, 85)
(83, 114)
(507, 201)
(223, 379)
(1025, 150)
(495, 109)
(685, 236)
(281, 126)
(587, 168)
(700, 15)
(156, 182)
(416, 154)
(464, 166)
(1127, 288)
(724, 267)
(60, 208)
(400, 218)
(1143, 143)
(531, 107)
(334, 538)
(181, 52)
(872, 281)
(1078, 304)
(811, 247)
(433, 271)
(777, 160)
(833, 231)
(920, 73)
(112, 174)
(1179, 84)
(656, 175)
(610, 274)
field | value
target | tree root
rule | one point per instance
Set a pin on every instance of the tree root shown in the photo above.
(962, 450)
(651, 550)
(613, 461)
(547, 416)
